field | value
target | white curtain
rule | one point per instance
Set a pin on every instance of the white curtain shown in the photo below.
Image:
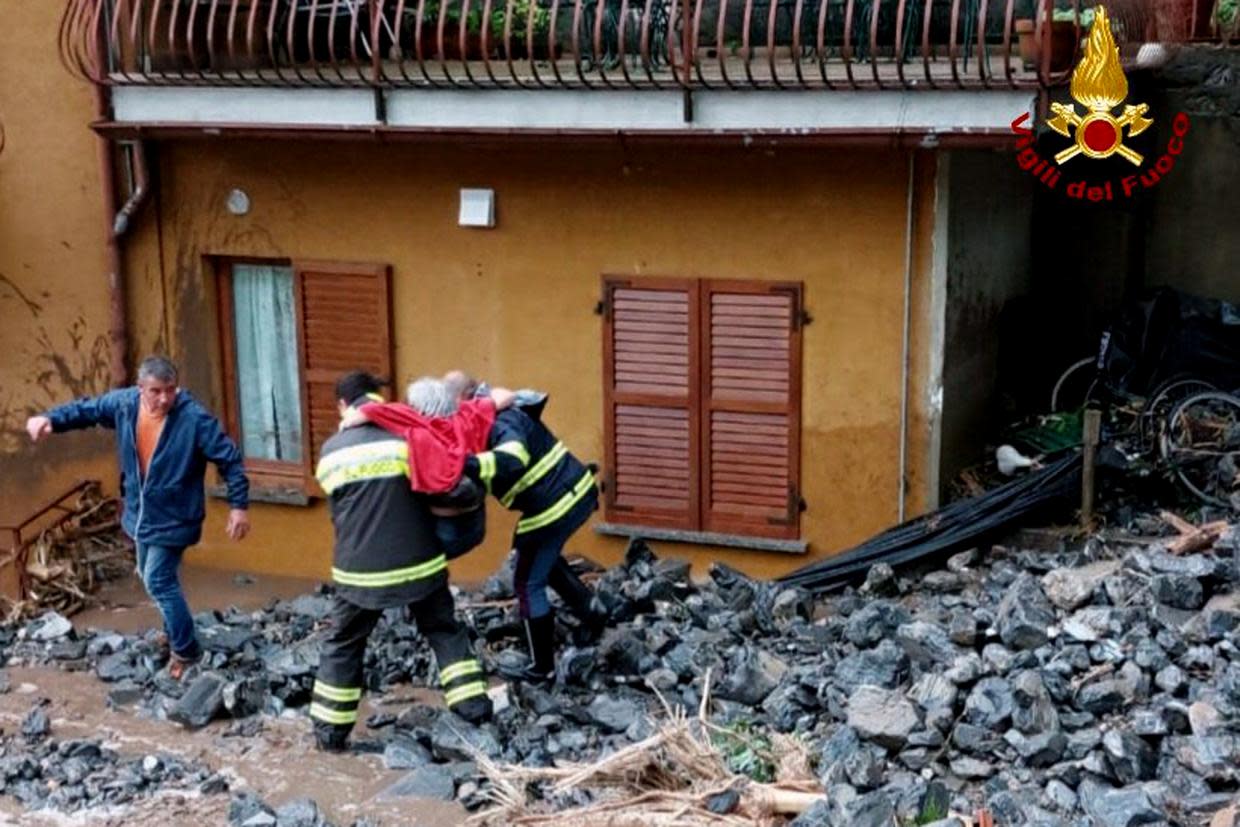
(267, 383)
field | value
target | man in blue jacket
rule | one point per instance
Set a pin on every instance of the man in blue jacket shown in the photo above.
(164, 439)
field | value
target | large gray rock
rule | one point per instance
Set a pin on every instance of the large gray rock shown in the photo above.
(432, 781)
(885, 665)
(1024, 615)
(882, 716)
(613, 714)
(1034, 710)
(753, 675)
(1105, 697)
(1178, 591)
(1070, 589)
(874, 622)
(870, 810)
(1128, 807)
(926, 644)
(201, 703)
(1132, 758)
(990, 704)
(453, 739)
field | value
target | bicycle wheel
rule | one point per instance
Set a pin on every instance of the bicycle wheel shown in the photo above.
(1201, 446)
(1163, 400)
(1075, 386)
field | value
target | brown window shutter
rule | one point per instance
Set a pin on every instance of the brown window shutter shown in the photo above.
(650, 370)
(751, 398)
(346, 324)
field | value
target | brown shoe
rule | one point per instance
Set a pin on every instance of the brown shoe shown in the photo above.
(177, 667)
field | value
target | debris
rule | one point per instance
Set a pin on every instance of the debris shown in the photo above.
(1193, 538)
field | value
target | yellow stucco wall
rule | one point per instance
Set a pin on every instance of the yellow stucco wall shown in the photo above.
(53, 294)
(515, 304)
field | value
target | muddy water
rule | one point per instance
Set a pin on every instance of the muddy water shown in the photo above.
(280, 763)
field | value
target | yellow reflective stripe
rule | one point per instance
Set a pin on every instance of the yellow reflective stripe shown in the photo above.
(562, 506)
(540, 469)
(340, 694)
(515, 449)
(332, 716)
(372, 460)
(486, 469)
(462, 693)
(459, 669)
(392, 577)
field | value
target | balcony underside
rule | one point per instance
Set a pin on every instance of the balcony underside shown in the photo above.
(930, 115)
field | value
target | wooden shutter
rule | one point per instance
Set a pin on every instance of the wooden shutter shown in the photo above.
(650, 370)
(751, 402)
(346, 324)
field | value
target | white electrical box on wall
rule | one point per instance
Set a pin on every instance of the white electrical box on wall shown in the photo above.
(477, 208)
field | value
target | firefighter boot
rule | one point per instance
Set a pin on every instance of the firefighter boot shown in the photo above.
(540, 635)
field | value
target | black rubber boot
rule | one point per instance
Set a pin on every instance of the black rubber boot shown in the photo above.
(580, 600)
(329, 738)
(475, 710)
(540, 635)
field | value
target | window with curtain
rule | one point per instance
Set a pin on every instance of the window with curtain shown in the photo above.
(268, 385)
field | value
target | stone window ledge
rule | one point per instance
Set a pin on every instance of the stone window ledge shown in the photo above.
(705, 538)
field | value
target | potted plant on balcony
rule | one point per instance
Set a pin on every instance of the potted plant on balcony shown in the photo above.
(1063, 38)
(473, 29)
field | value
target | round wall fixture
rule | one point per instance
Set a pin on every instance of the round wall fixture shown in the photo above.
(238, 202)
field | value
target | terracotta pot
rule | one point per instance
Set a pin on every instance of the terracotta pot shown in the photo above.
(1063, 45)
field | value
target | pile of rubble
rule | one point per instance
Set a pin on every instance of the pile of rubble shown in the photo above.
(1095, 687)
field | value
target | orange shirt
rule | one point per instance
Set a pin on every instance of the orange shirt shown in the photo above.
(149, 428)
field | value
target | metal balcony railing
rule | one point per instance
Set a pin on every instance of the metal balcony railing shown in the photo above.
(628, 44)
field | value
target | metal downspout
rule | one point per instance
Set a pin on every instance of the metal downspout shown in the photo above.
(116, 223)
(908, 310)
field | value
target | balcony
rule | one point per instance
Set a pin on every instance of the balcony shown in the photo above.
(665, 64)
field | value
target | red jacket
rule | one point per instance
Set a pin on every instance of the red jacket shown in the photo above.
(437, 445)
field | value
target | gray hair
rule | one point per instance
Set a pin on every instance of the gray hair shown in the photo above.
(460, 384)
(159, 368)
(430, 397)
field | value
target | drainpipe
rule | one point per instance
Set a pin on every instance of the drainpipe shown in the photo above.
(116, 223)
(908, 310)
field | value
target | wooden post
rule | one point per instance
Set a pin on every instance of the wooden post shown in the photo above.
(1092, 433)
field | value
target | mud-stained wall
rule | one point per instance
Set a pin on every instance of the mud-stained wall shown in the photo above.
(53, 296)
(515, 304)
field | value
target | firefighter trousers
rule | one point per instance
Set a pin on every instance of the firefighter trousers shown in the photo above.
(338, 684)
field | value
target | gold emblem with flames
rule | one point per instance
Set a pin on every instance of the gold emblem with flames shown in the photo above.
(1099, 85)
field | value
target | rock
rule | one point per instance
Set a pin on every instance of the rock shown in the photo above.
(1059, 797)
(974, 739)
(965, 669)
(1024, 615)
(1178, 591)
(885, 665)
(1213, 757)
(201, 703)
(961, 561)
(244, 698)
(1040, 750)
(875, 622)
(1069, 589)
(453, 739)
(300, 812)
(882, 716)
(1171, 680)
(969, 768)
(116, 667)
(724, 802)
(431, 781)
(1128, 807)
(754, 674)
(245, 805)
(1104, 697)
(963, 629)
(614, 714)
(990, 704)
(1131, 758)
(228, 640)
(36, 726)
(833, 754)
(1205, 719)
(1090, 624)
(926, 643)
(791, 605)
(817, 815)
(261, 820)
(404, 753)
(880, 581)
(870, 810)
(1033, 711)
(50, 626)
(933, 691)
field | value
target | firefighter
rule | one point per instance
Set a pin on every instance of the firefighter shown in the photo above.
(385, 556)
(531, 472)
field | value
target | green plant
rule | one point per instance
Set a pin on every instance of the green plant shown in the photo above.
(1225, 12)
(1069, 15)
(746, 751)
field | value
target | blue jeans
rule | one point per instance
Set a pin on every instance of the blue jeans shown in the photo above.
(158, 567)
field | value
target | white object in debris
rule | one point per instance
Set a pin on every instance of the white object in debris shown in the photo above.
(1010, 460)
(1153, 56)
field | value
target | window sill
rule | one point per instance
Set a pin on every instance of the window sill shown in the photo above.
(704, 538)
(279, 495)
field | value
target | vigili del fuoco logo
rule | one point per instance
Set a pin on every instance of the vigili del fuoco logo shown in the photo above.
(1099, 86)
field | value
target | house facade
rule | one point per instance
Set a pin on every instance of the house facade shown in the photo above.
(721, 237)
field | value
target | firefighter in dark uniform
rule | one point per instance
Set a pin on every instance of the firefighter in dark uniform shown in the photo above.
(385, 556)
(530, 471)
